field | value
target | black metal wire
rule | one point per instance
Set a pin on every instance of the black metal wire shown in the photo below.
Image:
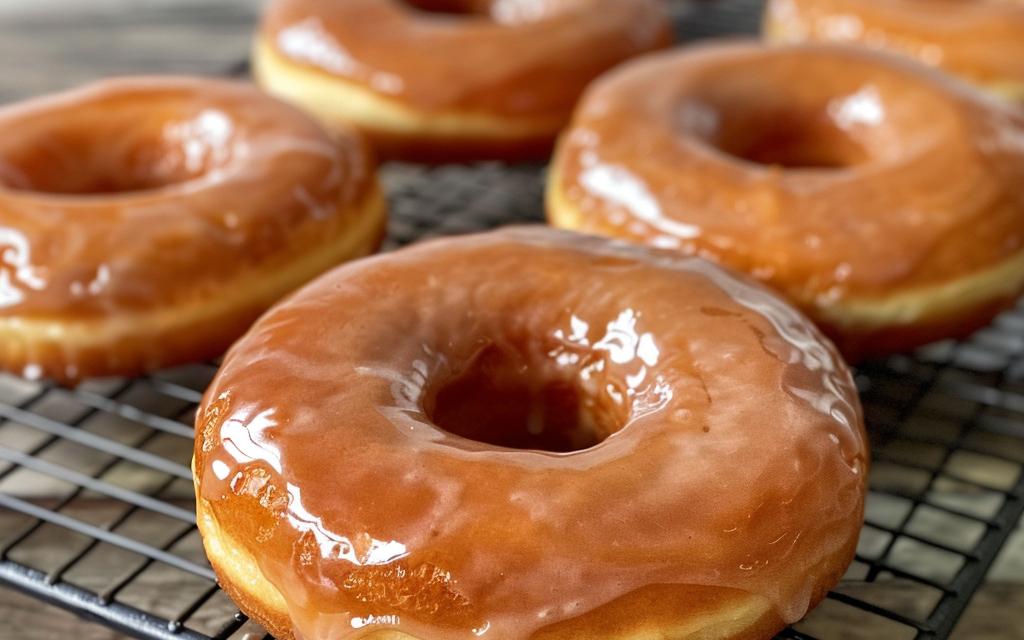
(117, 616)
(97, 533)
(129, 412)
(98, 486)
(977, 564)
(93, 441)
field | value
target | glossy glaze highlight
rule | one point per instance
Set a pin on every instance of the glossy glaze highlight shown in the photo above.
(812, 169)
(723, 453)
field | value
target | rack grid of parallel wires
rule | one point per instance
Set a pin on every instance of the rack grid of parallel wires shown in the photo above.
(96, 506)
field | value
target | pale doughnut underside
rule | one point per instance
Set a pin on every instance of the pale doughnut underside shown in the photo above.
(394, 128)
(679, 612)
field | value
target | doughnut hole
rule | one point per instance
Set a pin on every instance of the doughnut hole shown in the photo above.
(454, 7)
(123, 153)
(508, 12)
(787, 139)
(508, 397)
(841, 121)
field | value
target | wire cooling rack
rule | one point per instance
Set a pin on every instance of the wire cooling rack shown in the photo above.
(96, 506)
(96, 499)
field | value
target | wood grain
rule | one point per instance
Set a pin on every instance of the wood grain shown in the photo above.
(24, 618)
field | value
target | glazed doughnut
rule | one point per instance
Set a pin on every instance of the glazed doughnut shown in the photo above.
(980, 40)
(146, 222)
(501, 435)
(445, 80)
(813, 169)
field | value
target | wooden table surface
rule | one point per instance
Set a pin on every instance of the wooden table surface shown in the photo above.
(46, 45)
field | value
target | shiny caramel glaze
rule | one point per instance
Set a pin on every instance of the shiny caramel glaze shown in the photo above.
(456, 79)
(148, 221)
(980, 40)
(530, 433)
(883, 198)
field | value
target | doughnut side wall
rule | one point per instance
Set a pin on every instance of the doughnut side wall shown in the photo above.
(734, 469)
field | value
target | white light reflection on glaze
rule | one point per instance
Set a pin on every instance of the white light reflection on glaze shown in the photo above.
(578, 337)
(93, 287)
(204, 139)
(647, 351)
(16, 268)
(408, 385)
(579, 333)
(654, 398)
(843, 27)
(309, 42)
(242, 440)
(862, 108)
(513, 12)
(625, 345)
(390, 619)
(334, 546)
(616, 185)
(622, 342)
(220, 469)
(480, 631)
